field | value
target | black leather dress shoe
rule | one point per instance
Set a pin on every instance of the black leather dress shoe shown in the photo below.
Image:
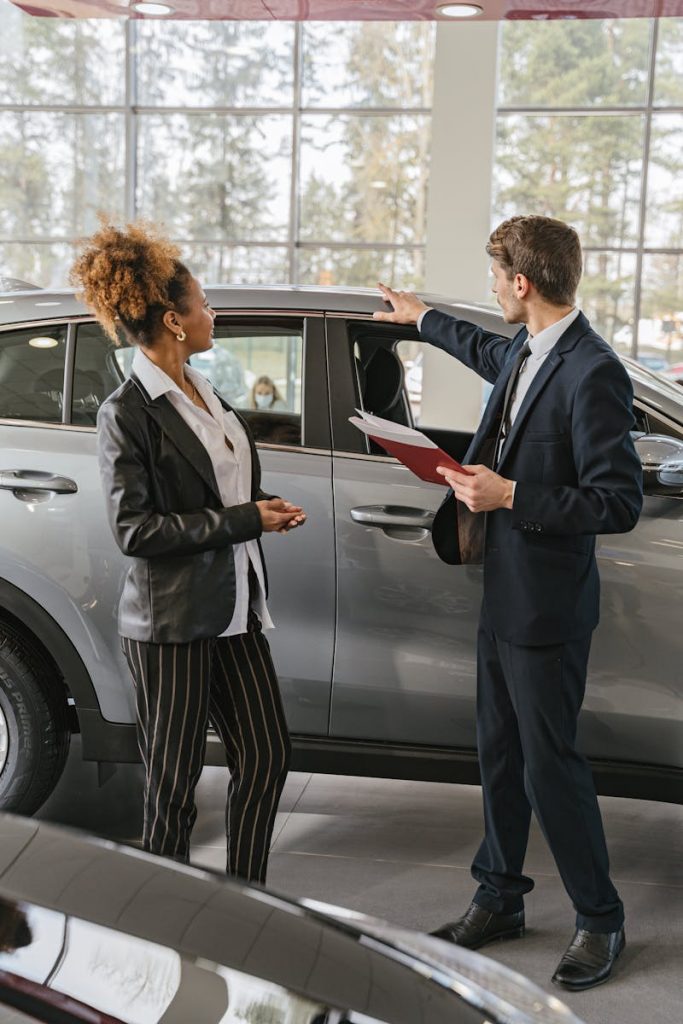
(478, 926)
(589, 959)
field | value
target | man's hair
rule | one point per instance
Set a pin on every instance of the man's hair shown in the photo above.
(545, 250)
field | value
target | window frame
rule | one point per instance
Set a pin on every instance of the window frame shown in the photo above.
(341, 331)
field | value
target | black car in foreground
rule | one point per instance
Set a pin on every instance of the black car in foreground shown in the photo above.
(97, 933)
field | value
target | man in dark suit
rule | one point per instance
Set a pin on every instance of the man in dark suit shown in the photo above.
(551, 465)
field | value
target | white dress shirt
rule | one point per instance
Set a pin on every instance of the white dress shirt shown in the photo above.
(232, 470)
(540, 345)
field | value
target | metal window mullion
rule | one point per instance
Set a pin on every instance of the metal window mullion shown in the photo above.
(312, 244)
(131, 144)
(571, 111)
(284, 244)
(69, 371)
(131, 57)
(255, 111)
(638, 293)
(593, 111)
(58, 108)
(294, 195)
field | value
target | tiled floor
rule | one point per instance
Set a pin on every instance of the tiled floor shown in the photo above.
(401, 851)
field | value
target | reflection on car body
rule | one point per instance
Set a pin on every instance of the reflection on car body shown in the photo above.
(112, 935)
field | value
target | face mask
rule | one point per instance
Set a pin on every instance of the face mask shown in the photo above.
(263, 401)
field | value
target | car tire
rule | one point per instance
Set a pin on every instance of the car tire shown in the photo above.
(34, 725)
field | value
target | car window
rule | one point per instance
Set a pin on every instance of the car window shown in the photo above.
(432, 379)
(412, 383)
(32, 373)
(98, 370)
(257, 368)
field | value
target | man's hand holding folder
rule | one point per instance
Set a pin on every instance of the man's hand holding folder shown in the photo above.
(478, 487)
(413, 448)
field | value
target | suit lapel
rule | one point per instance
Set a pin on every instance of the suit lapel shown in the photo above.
(183, 438)
(568, 340)
(550, 364)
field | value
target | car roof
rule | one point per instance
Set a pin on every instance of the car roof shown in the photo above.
(18, 307)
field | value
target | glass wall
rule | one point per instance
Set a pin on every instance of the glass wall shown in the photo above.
(590, 129)
(270, 151)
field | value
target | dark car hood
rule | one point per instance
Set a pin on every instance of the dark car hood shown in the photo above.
(389, 975)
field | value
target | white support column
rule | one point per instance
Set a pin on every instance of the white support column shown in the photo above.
(459, 205)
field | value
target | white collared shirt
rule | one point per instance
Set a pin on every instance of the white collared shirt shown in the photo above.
(232, 470)
(540, 345)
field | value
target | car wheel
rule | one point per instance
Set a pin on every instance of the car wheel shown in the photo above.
(34, 726)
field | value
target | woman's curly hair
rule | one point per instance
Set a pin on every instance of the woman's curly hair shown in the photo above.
(133, 276)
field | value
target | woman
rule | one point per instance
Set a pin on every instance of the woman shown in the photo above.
(181, 482)
(266, 396)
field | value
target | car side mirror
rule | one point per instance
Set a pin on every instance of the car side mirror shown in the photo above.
(662, 460)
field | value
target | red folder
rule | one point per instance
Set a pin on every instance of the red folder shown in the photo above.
(421, 461)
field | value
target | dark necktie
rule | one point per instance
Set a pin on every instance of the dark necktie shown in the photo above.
(510, 390)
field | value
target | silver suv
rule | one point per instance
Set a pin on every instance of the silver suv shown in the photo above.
(375, 645)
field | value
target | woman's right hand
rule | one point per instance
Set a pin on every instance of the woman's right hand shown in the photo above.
(277, 515)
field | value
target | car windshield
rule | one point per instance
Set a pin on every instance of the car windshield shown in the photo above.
(654, 381)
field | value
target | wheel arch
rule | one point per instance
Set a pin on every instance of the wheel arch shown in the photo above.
(29, 619)
(102, 741)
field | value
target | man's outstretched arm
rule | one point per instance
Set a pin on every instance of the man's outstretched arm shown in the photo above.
(483, 351)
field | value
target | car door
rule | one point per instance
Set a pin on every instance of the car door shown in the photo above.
(404, 667)
(56, 546)
(293, 438)
(293, 443)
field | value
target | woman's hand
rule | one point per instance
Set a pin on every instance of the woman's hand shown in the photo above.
(278, 516)
(298, 516)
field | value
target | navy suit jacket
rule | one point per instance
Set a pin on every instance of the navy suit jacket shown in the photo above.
(577, 472)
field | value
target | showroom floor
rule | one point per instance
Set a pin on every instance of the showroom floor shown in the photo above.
(401, 851)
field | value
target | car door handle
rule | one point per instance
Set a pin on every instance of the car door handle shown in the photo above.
(36, 480)
(391, 516)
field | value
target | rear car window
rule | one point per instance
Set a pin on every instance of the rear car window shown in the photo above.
(32, 373)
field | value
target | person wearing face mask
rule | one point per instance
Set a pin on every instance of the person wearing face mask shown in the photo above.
(265, 396)
(182, 488)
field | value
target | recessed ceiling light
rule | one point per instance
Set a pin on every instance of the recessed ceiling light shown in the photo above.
(43, 342)
(160, 10)
(459, 10)
(6, 302)
(47, 303)
(378, 184)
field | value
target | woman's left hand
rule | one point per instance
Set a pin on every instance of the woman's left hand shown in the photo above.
(298, 518)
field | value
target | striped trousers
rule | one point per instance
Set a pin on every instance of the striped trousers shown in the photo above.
(180, 688)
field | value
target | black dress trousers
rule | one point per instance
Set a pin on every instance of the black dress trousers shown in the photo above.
(528, 702)
(180, 688)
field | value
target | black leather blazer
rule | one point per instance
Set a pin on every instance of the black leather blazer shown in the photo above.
(577, 472)
(166, 513)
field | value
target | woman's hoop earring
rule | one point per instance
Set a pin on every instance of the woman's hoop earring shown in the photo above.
(181, 336)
